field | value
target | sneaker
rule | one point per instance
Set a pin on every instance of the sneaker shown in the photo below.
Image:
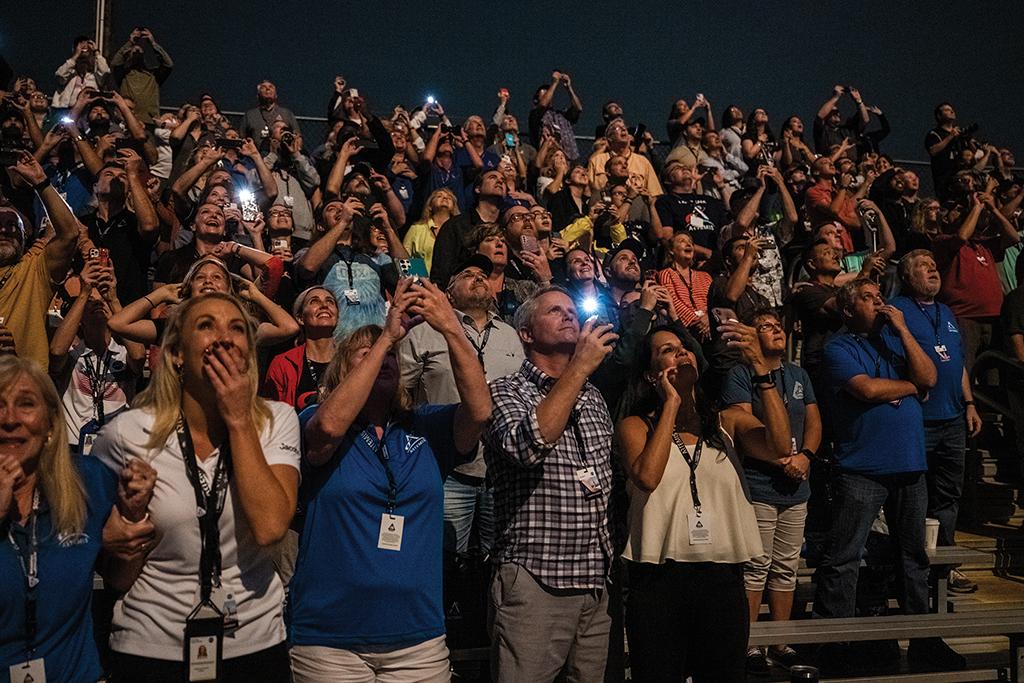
(959, 583)
(757, 661)
(932, 654)
(784, 656)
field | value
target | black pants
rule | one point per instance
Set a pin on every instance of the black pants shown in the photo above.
(686, 619)
(267, 666)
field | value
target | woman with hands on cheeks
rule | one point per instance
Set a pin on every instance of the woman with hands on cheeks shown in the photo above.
(227, 472)
(366, 597)
(691, 524)
(55, 511)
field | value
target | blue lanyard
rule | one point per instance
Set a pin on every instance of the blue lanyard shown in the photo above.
(381, 450)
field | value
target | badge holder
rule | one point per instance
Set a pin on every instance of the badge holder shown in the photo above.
(32, 671)
(589, 484)
(204, 640)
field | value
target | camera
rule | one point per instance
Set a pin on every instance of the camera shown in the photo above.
(969, 130)
(287, 138)
(227, 143)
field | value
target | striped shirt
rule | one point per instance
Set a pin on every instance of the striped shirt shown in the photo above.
(545, 522)
(689, 295)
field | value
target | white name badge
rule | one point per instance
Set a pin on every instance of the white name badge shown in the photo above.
(228, 605)
(942, 353)
(391, 528)
(352, 297)
(588, 480)
(202, 663)
(31, 671)
(87, 441)
(699, 527)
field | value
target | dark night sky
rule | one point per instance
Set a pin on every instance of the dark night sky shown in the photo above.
(785, 56)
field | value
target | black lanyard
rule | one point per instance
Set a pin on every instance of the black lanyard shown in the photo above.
(877, 356)
(30, 569)
(209, 506)
(381, 450)
(483, 344)
(311, 369)
(782, 385)
(934, 323)
(98, 380)
(693, 462)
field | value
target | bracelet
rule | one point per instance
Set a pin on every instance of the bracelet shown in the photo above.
(151, 304)
(766, 378)
(238, 248)
(968, 403)
(811, 455)
(41, 185)
(145, 518)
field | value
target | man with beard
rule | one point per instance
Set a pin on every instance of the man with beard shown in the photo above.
(259, 120)
(949, 411)
(128, 235)
(685, 210)
(208, 229)
(620, 145)
(622, 269)
(427, 373)
(140, 66)
(26, 275)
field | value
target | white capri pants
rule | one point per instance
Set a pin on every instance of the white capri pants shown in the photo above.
(782, 534)
(426, 662)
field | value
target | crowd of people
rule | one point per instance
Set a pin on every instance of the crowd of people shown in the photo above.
(632, 387)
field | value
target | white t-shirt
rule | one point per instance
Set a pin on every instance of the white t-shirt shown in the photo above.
(149, 621)
(114, 375)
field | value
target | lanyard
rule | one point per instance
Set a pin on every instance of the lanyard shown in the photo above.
(30, 569)
(693, 463)
(877, 355)
(935, 323)
(311, 369)
(209, 506)
(348, 265)
(689, 288)
(97, 374)
(381, 450)
(482, 345)
(782, 385)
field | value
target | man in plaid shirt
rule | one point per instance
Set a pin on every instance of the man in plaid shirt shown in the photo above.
(548, 454)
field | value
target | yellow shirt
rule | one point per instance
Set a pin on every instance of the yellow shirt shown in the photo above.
(419, 241)
(24, 300)
(638, 165)
(582, 226)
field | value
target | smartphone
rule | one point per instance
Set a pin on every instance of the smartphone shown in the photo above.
(725, 315)
(228, 143)
(503, 92)
(124, 143)
(510, 140)
(530, 244)
(250, 209)
(280, 244)
(651, 274)
(418, 268)
(100, 255)
(105, 94)
(606, 199)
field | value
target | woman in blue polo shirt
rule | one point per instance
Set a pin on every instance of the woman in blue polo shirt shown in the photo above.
(366, 594)
(54, 508)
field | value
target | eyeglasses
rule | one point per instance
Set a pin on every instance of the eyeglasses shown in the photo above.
(519, 217)
(769, 327)
(279, 212)
(540, 214)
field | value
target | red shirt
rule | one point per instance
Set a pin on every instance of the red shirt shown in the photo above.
(818, 202)
(970, 280)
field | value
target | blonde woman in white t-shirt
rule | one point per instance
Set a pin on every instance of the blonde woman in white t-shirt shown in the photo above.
(691, 525)
(201, 426)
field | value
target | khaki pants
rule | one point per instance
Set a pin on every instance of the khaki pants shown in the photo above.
(537, 631)
(423, 663)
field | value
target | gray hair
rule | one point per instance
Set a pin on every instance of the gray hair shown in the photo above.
(909, 260)
(524, 314)
(846, 297)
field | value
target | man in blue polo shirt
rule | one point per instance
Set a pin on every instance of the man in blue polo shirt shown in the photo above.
(876, 377)
(949, 411)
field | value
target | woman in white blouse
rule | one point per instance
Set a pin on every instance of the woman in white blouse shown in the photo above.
(227, 473)
(691, 525)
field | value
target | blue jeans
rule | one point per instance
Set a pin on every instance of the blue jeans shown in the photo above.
(464, 502)
(945, 441)
(858, 498)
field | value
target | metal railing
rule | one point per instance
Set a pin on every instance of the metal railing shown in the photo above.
(994, 396)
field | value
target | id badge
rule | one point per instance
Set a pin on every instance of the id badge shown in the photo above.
(204, 640)
(87, 437)
(943, 354)
(391, 529)
(228, 605)
(588, 482)
(699, 527)
(31, 671)
(352, 297)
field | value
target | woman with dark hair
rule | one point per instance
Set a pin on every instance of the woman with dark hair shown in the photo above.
(366, 597)
(795, 152)
(681, 113)
(691, 523)
(732, 130)
(758, 142)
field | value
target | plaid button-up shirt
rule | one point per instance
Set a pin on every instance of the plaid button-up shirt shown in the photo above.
(545, 523)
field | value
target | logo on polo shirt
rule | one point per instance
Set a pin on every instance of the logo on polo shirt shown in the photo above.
(66, 540)
(413, 442)
(798, 390)
(952, 327)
